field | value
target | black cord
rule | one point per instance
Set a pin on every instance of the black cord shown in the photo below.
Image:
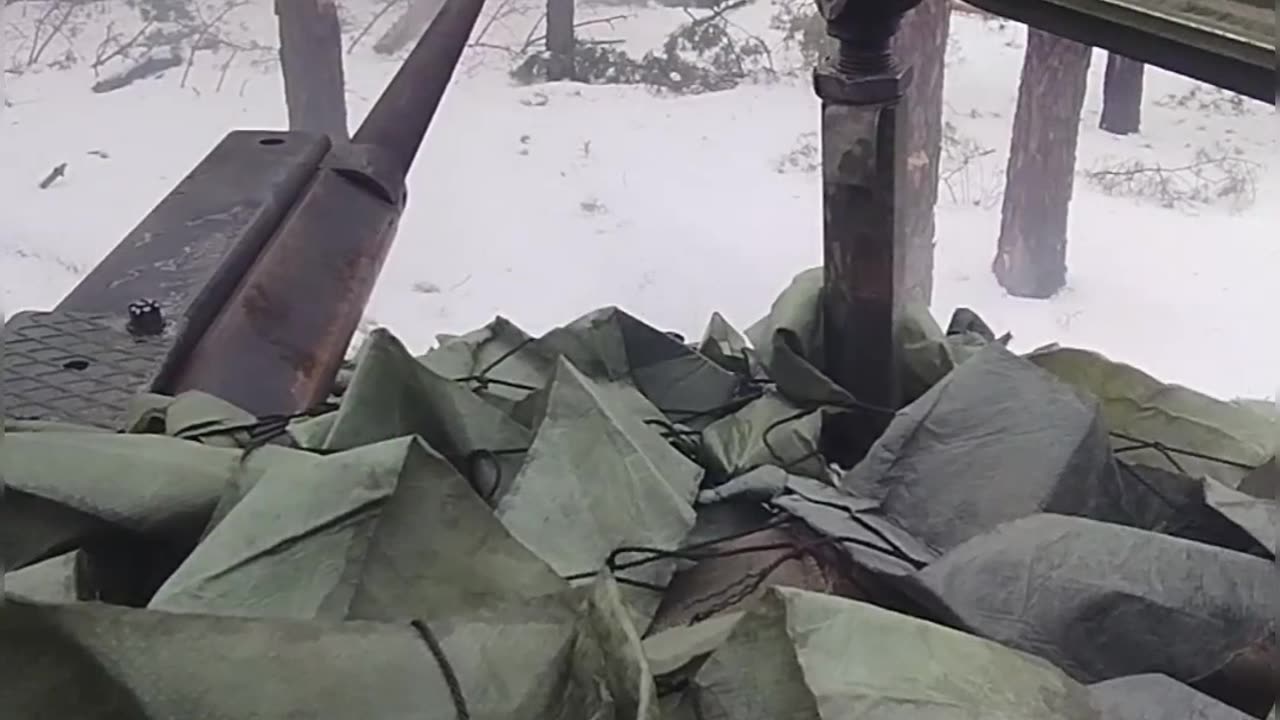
(262, 431)
(894, 550)
(743, 587)
(1128, 469)
(475, 457)
(655, 554)
(446, 669)
(482, 379)
(1168, 451)
(688, 442)
(787, 465)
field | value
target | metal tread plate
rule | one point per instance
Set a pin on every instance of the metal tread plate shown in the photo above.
(75, 367)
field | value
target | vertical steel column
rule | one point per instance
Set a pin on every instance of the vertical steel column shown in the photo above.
(863, 161)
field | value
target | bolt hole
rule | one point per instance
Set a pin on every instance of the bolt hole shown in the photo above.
(76, 364)
(271, 141)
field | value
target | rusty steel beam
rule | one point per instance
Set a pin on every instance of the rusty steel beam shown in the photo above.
(399, 120)
(278, 343)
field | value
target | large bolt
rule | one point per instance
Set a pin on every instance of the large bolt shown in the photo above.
(145, 318)
(865, 32)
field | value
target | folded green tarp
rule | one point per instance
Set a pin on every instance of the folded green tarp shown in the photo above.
(1158, 697)
(387, 531)
(1103, 601)
(802, 655)
(996, 439)
(99, 662)
(64, 487)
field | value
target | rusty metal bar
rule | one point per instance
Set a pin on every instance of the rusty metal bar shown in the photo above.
(277, 344)
(863, 155)
(398, 121)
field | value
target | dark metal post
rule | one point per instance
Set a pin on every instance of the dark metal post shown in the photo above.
(863, 161)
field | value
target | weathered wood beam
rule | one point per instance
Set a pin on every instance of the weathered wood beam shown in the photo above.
(1227, 43)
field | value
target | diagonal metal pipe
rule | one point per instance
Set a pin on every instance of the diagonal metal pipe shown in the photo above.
(276, 346)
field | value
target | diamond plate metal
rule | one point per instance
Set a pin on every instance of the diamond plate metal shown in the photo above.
(76, 367)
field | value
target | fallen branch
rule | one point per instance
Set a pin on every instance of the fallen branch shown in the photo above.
(222, 76)
(716, 14)
(53, 176)
(585, 23)
(122, 48)
(204, 32)
(1208, 178)
(150, 66)
(37, 46)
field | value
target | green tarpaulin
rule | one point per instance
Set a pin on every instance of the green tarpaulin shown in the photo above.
(516, 527)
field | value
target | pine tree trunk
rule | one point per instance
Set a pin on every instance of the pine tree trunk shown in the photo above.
(1031, 258)
(560, 40)
(311, 61)
(409, 27)
(1122, 96)
(921, 42)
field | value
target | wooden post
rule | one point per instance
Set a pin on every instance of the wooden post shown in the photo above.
(311, 61)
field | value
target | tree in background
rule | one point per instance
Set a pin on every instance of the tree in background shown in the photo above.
(922, 43)
(408, 27)
(1122, 95)
(560, 40)
(1031, 257)
(311, 61)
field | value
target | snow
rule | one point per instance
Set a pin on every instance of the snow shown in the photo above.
(540, 203)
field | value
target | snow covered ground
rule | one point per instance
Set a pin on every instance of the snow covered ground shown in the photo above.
(540, 203)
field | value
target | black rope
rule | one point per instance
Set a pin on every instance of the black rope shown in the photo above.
(894, 550)
(257, 427)
(740, 589)
(261, 431)
(475, 457)
(1128, 469)
(743, 587)
(1168, 452)
(687, 415)
(783, 463)
(446, 669)
(687, 552)
(483, 383)
(655, 554)
(482, 379)
(685, 440)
